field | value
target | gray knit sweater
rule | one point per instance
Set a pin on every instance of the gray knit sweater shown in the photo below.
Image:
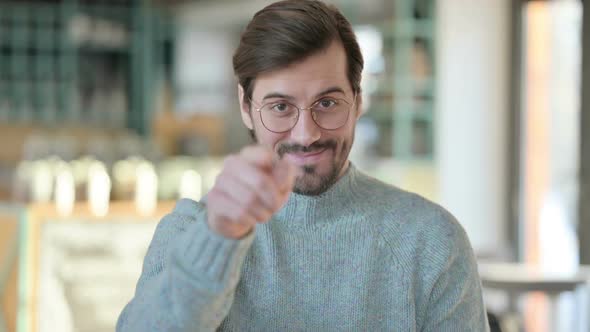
(363, 256)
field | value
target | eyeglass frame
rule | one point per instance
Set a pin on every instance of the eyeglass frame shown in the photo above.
(259, 110)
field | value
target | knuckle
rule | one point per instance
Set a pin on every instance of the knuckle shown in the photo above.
(251, 199)
(242, 215)
(257, 181)
(260, 182)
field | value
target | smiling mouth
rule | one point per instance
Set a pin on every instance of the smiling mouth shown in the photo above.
(304, 158)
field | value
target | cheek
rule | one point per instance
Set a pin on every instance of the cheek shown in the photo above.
(268, 138)
(345, 140)
(345, 134)
(350, 131)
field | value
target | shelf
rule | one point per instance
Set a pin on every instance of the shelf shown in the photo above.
(405, 29)
(404, 102)
(419, 87)
(388, 113)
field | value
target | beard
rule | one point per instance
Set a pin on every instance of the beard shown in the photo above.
(311, 182)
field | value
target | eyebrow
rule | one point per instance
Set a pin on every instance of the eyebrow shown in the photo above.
(277, 95)
(330, 90)
(288, 97)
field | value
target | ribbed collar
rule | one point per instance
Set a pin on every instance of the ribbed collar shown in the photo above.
(334, 205)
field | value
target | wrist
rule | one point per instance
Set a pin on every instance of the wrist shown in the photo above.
(234, 232)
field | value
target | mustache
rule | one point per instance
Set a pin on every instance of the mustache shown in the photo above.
(316, 146)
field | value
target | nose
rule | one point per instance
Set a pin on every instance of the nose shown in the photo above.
(306, 131)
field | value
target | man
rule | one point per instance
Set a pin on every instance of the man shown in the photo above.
(342, 251)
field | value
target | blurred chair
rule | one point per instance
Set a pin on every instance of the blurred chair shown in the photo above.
(42, 180)
(80, 168)
(65, 189)
(146, 188)
(170, 174)
(124, 173)
(518, 279)
(99, 189)
(191, 185)
(185, 177)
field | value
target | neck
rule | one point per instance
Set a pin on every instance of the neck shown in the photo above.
(302, 210)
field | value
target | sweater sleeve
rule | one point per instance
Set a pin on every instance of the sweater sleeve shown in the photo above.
(189, 275)
(455, 302)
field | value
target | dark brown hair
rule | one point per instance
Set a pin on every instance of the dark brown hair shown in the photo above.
(289, 31)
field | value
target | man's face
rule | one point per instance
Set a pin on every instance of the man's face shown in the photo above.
(320, 155)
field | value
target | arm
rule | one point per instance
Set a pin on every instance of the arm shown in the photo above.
(456, 302)
(194, 261)
(189, 275)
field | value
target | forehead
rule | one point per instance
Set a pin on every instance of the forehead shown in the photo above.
(325, 69)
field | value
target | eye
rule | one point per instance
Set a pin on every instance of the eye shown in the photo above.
(326, 103)
(281, 107)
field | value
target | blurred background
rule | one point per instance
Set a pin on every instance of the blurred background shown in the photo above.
(111, 110)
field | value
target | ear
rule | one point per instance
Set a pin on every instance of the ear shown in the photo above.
(245, 109)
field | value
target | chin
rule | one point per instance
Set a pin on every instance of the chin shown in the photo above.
(307, 190)
(312, 182)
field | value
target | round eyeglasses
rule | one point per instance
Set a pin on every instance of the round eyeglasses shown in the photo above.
(328, 113)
